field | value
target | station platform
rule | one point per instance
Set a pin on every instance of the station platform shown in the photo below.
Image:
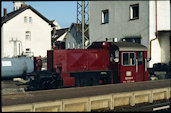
(88, 98)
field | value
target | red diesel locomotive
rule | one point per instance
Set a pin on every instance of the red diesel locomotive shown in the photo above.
(101, 63)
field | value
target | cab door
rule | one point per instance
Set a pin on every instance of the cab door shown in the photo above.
(139, 66)
(127, 67)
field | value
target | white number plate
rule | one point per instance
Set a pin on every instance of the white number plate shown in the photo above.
(6, 63)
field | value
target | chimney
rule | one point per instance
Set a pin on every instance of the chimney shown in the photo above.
(23, 5)
(5, 11)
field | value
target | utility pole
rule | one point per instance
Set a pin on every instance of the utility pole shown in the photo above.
(83, 19)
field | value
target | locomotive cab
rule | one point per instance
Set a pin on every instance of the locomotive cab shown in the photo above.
(128, 60)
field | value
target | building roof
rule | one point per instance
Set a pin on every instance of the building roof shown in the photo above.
(129, 46)
(164, 32)
(52, 21)
(59, 33)
(11, 15)
(62, 37)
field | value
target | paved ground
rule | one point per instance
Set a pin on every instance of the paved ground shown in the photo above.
(12, 86)
(66, 93)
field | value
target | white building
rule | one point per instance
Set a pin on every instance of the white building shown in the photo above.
(25, 30)
(57, 26)
(133, 21)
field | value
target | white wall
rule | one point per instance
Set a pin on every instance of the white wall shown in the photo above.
(16, 28)
(163, 23)
(164, 41)
(163, 9)
(2, 41)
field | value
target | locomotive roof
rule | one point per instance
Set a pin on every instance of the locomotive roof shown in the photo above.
(129, 46)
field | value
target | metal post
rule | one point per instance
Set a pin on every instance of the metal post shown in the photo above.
(19, 48)
(83, 21)
(82, 12)
(15, 47)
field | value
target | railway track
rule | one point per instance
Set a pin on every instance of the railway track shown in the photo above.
(145, 107)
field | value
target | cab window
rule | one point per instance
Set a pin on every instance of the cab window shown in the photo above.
(140, 57)
(128, 59)
(114, 56)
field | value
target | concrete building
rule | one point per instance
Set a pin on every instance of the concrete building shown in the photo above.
(133, 21)
(25, 30)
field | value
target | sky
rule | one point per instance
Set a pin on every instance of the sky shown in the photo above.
(64, 12)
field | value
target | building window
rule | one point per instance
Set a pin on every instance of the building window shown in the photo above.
(28, 35)
(25, 19)
(105, 16)
(78, 46)
(30, 19)
(134, 12)
(128, 59)
(134, 39)
(28, 50)
(73, 46)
